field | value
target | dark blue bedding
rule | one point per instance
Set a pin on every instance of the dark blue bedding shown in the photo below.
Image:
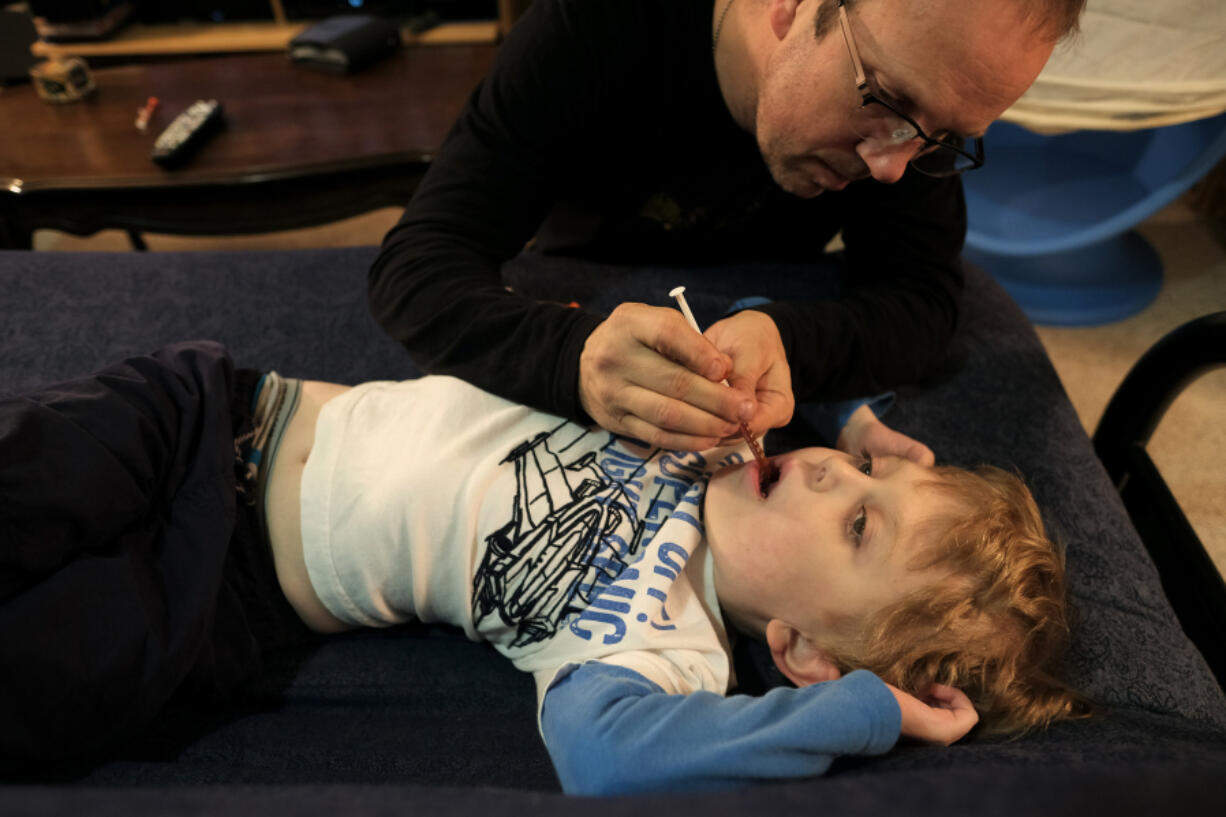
(419, 720)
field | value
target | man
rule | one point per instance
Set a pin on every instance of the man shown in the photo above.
(687, 131)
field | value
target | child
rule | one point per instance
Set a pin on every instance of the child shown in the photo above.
(608, 569)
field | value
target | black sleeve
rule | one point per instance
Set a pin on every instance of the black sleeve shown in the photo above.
(436, 285)
(902, 289)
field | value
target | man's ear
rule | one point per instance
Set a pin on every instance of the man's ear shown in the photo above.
(797, 656)
(782, 15)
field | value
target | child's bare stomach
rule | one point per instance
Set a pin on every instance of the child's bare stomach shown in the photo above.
(284, 502)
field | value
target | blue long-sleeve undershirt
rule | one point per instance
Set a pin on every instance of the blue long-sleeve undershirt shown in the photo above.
(609, 730)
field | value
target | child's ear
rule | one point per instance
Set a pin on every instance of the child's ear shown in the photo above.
(797, 656)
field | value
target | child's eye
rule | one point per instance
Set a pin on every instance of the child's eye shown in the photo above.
(858, 524)
(866, 463)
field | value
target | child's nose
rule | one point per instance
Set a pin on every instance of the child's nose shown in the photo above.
(830, 473)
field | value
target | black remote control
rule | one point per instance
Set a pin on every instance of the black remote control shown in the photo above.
(187, 133)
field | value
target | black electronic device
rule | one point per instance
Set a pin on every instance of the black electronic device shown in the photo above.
(189, 130)
(345, 44)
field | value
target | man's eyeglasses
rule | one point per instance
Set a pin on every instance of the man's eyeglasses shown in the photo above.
(882, 125)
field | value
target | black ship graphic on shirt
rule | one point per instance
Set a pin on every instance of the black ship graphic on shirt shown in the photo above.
(574, 528)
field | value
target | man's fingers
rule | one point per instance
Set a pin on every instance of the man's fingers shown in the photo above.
(682, 397)
(673, 360)
(760, 366)
(666, 423)
(678, 383)
(673, 416)
(667, 332)
(656, 419)
(774, 411)
(671, 440)
(644, 372)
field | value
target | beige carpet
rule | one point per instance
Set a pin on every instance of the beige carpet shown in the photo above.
(1189, 446)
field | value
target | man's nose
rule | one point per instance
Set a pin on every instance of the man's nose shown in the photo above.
(887, 164)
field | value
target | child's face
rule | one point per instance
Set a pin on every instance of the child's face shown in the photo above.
(828, 546)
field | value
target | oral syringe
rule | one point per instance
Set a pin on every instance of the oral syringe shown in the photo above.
(767, 472)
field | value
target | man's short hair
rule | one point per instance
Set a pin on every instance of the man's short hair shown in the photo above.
(1055, 19)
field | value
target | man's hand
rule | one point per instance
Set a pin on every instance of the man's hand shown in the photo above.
(759, 366)
(864, 432)
(645, 373)
(942, 715)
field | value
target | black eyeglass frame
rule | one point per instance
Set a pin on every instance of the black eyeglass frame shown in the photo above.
(930, 144)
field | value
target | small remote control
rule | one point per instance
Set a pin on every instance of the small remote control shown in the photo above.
(187, 133)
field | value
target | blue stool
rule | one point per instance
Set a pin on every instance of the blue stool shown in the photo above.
(1051, 217)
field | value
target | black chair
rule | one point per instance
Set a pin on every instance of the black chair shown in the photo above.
(1191, 580)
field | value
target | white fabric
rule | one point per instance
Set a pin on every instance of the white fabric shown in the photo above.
(433, 500)
(1136, 64)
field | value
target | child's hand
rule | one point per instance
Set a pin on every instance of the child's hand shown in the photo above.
(943, 716)
(864, 432)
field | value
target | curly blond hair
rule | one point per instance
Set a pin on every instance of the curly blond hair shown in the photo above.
(996, 626)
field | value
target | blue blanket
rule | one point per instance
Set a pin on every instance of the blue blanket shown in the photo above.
(419, 719)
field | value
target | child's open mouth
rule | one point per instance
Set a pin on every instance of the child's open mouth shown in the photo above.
(767, 474)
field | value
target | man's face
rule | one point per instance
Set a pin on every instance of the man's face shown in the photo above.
(954, 65)
(828, 547)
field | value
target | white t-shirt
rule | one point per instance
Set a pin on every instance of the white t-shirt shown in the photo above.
(433, 500)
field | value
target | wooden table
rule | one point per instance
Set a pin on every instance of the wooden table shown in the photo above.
(301, 147)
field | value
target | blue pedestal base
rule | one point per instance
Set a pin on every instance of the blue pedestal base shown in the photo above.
(1102, 283)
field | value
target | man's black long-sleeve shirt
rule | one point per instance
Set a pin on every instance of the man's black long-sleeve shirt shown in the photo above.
(601, 131)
